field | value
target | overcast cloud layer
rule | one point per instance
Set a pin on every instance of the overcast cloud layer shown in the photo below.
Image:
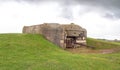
(100, 17)
(110, 5)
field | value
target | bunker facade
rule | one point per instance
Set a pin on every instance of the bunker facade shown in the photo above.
(63, 35)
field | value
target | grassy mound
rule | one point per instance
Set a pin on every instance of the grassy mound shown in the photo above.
(33, 52)
(101, 44)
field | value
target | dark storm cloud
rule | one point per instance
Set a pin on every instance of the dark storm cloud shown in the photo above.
(110, 5)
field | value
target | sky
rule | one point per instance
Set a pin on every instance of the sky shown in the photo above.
(101, 18)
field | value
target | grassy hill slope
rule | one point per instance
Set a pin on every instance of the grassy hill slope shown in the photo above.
(101, 44)
(33, 52)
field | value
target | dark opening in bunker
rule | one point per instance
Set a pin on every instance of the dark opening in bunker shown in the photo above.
(70, 41)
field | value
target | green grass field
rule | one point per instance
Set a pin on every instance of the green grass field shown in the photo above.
(33, 52)
(101, 44)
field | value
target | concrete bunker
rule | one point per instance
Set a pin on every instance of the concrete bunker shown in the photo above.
(64, 35)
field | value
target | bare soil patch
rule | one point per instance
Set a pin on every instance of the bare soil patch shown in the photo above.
(88, 50)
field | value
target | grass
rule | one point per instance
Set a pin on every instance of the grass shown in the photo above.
(101, 44)
(33, 52)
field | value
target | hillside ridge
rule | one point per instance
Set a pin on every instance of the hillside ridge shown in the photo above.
(34, 52)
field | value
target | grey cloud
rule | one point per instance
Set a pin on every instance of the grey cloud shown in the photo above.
(109, 5)
(67, 12)
(106, 5)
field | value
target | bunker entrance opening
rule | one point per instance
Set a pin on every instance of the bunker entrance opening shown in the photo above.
(70, 41)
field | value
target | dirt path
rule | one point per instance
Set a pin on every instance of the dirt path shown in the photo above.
(86, 50)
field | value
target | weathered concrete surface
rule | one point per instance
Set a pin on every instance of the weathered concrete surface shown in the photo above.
(65, 35)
